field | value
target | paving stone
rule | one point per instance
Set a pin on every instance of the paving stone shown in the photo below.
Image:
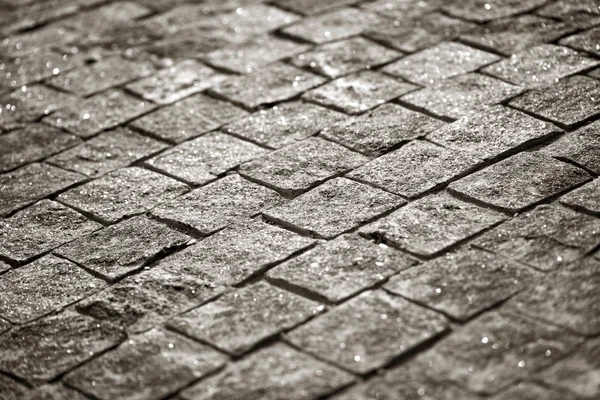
(514, 34)
(541, 65)
(40, 228)
(254, 54)
(175, 19)
(284, 123)
(338, 24)
(416, 168)
(520, 181)
(11, 389)
(403, 9)
(121, 249)
(200, 160)
(462, 95)
(47, 348)
(44, 286)
(586, 41)
(461, 284)
(101, 112)
(3, 268)
(32, 68)
(237, 321)
(529, 391)
(340, 58)
(586, 198)
(544, 238)
(33, 182)
(449, 221)
(493, 133)
(440, 62)
(55, 392)
(581, 146)
(311, 7)
(487, 10)
(381, 129)
(32, 143)
(37, 40)
(148, 366)
(174, 83)
(273, 83)
(363, 333)
(595, 73)
(275, 372)
(339, 269)
(569, 102)
(303, 165)
(581, 13)
(334, 207)
(109, 15)
(360, 92)
(218, 204)
(123, 192)
(188, 118)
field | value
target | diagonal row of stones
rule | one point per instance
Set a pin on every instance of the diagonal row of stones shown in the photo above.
(299, 199)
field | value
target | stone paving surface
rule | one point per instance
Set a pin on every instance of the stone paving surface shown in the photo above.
(299, 199)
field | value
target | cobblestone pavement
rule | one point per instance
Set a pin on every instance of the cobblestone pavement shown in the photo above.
(300, 199)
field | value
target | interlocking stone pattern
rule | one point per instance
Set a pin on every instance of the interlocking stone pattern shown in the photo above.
(300, 199)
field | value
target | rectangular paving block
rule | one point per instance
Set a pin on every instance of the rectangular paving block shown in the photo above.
(487, 10)
(108, 15)
(586, 198)
(36, 67)
(582, 13)
(311, 7)
(585, 41)
(24, 43)
(581, 147)
(403, 9)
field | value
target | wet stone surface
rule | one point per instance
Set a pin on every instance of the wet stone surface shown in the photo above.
(530, 391)
(581, 13)
(483, 10)
(311, 7)
(11, 389)
(54, 391)
(3, 268)
(586, 198)
(585, 41)
(581, 147)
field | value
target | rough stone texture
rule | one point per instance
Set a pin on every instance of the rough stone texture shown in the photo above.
(284, 123)
(237, 321)
(123, 192)
(595, 73)
(3, 268)
(272, 373)
(569, 102)
(484, 10)
(334, 207)
(581, 13)
(43, 350)
(530, 391)
(25, 43)
(403, 9)
(11, 389)
(462, 284)
(40, 228)
(544, 238)
(36, 67)
(109, 15)
(431, 225)
(360, 92)
(145, 367)
(368, 331)
(311, 7)
(55, 392)
(585, 41)
(586, 198)
(107, 152)
(418, 166)
(381, 129)
(581, 147)
(298, 167)
(217, 205)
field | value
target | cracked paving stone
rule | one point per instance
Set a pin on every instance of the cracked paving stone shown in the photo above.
(284, 124)
(581, 13)
(588, 41)
(338, 24)
(569, 102)
(26, 70)
(461, 284)
(55, 392)
(200, 160)
(273, 83)
(368, 331)
(33, 182)
(25, 43)
(529, 391)
(340, 58)
(149, 366)
(101, 112)
(341, 268)
(418, 167)
(431, 225)
(334, 207)
(360, 92)
(515, 34)
(47, 348)
(238, 321)
(487, 10)
(443, 61)
(586, 198)
(462, 95)
(312, 7)
(32, 143)
(381, 129)
(581, 147)
(303, 165)
(544, 238)
(497, 349)
(44, 286)
(218, 204)
(493, 133)
(252, 55)
(122, 193)
(520, 181)
(40, 228)
(188, 118)
(104, 74)
(176, 82)
(577, 373)
(541, 66)
(121, 249)
(272, 373)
